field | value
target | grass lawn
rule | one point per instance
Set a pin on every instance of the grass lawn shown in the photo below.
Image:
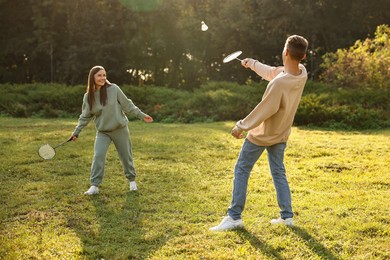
(340, 185)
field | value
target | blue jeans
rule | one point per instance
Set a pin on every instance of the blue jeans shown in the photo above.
(249, 155)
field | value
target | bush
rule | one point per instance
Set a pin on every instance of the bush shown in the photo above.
(321, 105)
(365, 64)
(226, 101)
(329, 106)
(214, 101)
(46, 100)
(162, 103)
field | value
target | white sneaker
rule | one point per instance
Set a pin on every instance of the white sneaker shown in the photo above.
(228, 223)
(133, 186)
(287, 221)
(92, 190)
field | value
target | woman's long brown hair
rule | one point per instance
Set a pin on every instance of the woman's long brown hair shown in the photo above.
(91, 88)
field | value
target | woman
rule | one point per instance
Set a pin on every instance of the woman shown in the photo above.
(107, 104)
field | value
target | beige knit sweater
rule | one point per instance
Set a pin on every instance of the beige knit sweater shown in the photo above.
(270, 121)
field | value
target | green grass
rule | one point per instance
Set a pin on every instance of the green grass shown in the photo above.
(340, 185)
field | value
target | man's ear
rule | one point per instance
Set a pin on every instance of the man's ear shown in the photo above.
(304, 57)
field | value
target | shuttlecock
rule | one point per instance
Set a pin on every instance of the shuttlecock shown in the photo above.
(204, 26)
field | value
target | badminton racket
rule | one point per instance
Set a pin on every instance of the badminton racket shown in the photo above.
(232, 56)
(47, 151)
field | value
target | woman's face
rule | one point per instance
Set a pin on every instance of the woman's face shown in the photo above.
(100, 78)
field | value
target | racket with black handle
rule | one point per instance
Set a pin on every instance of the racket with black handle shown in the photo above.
(47, 151)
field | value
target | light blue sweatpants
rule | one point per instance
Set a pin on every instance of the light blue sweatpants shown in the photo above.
(121, 139)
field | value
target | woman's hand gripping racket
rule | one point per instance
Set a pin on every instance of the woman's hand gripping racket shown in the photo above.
(47, 151)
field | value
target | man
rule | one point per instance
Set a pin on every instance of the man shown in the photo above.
(269, 126)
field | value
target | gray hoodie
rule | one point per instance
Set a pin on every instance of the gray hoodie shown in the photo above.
(111, 116)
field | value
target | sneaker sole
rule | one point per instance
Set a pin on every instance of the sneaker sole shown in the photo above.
(226, 229)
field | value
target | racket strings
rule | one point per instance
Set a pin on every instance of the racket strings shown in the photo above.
(232, 56)
(46, 152)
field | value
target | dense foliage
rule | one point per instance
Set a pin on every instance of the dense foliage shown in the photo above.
(365, 64)
(159, 42)
(321, 105)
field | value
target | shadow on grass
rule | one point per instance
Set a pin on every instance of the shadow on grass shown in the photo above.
(115, 230)
(313, 244)
(265, 248)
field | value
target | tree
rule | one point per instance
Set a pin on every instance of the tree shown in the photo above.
(16, 31)
(160, 42)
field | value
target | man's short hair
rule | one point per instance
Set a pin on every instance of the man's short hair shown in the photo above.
(297, 47)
